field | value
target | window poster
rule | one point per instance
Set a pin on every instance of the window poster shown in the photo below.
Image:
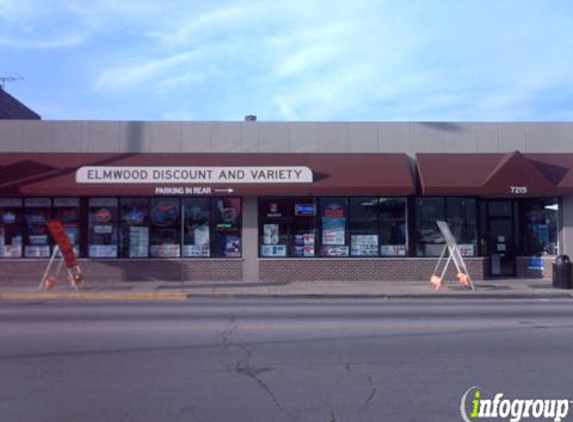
(10, 246)
(196, 251)
(37, 213)
(102, 235)
(467, 249)
(335, 250)
(201, 233)
(138, 241)
(102, 251)
(271, 234)
(165, 251)
(11, 212)
(103, 229)
(304, 244)
(393, 250)
(165, 234)
(273, 250)
(364, 245)
(10, 251)
(199, 236)
(233, 246)
(333, 231)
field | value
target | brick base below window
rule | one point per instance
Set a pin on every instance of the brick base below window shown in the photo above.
(270, 270)
(524, 272)
(103, 271)
(411, 269)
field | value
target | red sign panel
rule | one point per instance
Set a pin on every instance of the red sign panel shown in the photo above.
(58, 232)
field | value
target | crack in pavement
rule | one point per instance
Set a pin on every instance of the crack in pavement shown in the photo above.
(373, 388)
(243, 365)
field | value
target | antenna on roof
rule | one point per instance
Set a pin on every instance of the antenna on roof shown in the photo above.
(5, 79)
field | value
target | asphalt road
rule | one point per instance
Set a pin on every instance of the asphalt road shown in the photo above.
(277, 360)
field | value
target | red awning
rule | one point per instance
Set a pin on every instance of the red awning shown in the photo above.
(49, 174)
(496, 175)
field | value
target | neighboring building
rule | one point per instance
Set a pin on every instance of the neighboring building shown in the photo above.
(272, 201)
(11, 108)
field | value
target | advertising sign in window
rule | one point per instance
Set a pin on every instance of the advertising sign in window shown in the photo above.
(37, 213)
(11, 217)
(165, 228)
(393, 250)
(364, 245)
(333, 232)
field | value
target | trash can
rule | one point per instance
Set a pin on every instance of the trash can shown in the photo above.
(562, 273)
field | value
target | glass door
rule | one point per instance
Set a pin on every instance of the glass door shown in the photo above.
(501, 239)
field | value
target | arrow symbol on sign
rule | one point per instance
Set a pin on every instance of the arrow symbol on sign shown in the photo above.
(228, 190)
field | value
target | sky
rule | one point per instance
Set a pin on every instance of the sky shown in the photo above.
(307, 60)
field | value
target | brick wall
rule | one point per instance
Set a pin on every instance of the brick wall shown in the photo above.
(116, 270)
(524, 272)
(277, 270)
(411, 269)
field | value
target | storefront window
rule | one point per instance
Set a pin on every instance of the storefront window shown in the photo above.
(333, 214)
(393, 227)
(36, 240)
(102, 233)
(332, 227)
(462, 219)
(304, 235)
(461, 216)
(540, 226)
(11, 229)
(226, 227)
(363, 226)
(196, 238)
(134, 229)
(275, 226)
(67, 210)
(430, 241)
(165, 228)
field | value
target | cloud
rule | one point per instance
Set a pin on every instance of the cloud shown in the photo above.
(70, 40)
(307, 60)
(128, 76)
(29, 25)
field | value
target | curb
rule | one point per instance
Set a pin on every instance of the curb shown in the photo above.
(91, 296)
(380, 296)
(181, 296)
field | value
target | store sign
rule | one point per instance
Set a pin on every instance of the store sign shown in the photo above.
(518, 190)
(304, 210)
(203, 175)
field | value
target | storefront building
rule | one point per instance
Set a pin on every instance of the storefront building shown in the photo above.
(274, 202)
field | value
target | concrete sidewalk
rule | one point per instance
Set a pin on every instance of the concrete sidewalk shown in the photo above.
(161, 290)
